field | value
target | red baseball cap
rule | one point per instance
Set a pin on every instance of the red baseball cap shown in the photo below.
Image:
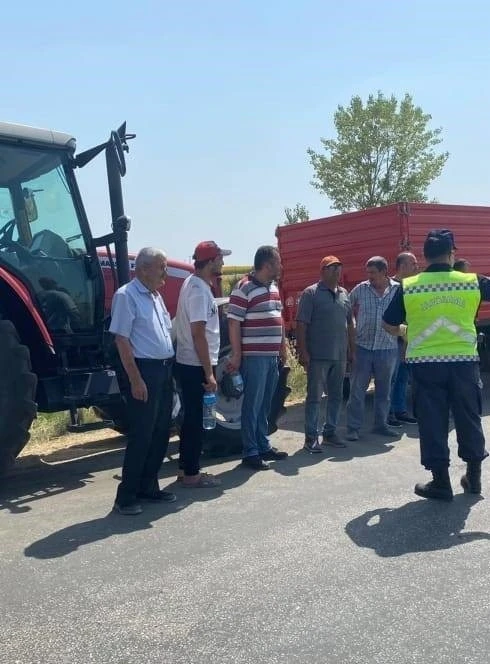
(208, 251)
(329, 260)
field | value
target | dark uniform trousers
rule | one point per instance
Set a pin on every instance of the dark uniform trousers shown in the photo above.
(439, 387)
(149, 431)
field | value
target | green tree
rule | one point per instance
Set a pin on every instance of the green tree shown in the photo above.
(297, 214)
(384, 152)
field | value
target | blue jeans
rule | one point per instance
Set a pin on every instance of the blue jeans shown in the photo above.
(377, 364)
(399, 388)
(260, 375)
(323, 376)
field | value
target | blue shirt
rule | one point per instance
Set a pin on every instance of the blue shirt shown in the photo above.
(142, 317)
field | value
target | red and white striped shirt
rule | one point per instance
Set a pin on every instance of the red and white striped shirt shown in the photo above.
(258, 308)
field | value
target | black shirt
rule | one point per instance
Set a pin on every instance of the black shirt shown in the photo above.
(395, 314)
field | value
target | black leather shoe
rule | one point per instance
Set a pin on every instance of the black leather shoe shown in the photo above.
(273, 455)
(255, 463)
(393, 421)
(405, 417)
(158, 496)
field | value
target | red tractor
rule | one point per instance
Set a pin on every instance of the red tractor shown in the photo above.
(55, 351)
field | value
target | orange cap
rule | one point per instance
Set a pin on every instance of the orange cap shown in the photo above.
(329, 260)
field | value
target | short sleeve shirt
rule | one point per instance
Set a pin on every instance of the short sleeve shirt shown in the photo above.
(326, 314)
(142, 317)
(196, 304)
(369, 308)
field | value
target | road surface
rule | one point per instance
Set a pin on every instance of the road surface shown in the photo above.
(324, 559)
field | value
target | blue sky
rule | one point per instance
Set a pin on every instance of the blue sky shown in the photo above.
(225, 98)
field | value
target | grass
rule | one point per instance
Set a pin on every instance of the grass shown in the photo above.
(296, 379)
(52, 425)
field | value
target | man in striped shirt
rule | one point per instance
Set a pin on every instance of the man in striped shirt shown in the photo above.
(257, 340)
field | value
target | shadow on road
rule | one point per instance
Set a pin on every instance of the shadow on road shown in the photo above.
(69, 539)
(421, 525)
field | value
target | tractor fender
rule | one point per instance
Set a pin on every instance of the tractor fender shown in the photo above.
(23, 293)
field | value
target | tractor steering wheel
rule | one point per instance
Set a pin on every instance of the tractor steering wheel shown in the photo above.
(6, 235)
(7, 232)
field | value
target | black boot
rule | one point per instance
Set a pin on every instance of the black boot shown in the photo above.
(440, 487)
(471, 480)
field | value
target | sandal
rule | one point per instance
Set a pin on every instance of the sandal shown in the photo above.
(205, 481)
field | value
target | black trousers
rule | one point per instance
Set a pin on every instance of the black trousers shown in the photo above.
(437, 388)
(191, 381)
(149, 430)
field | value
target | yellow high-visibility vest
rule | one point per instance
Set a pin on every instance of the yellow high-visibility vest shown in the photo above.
(441, 308)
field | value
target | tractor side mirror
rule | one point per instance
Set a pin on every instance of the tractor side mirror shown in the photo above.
(30, 205)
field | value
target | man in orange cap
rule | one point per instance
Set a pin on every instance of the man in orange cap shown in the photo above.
(325, 335)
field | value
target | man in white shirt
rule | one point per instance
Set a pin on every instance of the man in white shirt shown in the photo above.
(198, 341)
(142, 328)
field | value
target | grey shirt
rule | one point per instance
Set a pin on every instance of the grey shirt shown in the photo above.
(325, 314)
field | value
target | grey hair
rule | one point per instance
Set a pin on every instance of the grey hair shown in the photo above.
(379, 262)
(147, 255)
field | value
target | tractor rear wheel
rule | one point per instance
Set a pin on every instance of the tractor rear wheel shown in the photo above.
(17, 395)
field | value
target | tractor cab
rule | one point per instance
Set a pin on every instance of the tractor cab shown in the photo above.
(51, 283)
(45, 240)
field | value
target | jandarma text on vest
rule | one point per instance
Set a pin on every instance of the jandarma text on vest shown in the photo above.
(443, 299)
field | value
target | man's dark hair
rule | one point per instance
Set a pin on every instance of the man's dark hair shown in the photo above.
(461, 264)
(439, 244)
(402, 258)
(437, 249)
(263, 255)
(378, 262)
(199, 265)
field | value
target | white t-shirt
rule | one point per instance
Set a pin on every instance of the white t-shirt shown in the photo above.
(196, 303)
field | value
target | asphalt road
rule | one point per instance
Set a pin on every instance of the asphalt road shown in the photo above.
(321, 559)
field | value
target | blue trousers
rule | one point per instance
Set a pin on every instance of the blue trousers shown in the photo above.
(260, 375)
(377, 364)
(399, 388)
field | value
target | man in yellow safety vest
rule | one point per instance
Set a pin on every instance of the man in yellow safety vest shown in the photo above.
(436, 311)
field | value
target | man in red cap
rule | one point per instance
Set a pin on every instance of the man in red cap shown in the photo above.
(325, 336)
(198, 341)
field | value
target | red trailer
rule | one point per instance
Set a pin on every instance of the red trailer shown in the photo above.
(386, 231)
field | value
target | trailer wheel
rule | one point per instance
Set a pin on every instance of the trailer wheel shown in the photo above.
(17, 395)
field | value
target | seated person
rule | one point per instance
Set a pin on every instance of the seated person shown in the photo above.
(61, 312)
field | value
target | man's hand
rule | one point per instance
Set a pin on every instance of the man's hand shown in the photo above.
(210, 385)
(139, 389)
(234, 362)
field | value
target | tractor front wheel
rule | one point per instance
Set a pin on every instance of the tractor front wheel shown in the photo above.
(17, 395)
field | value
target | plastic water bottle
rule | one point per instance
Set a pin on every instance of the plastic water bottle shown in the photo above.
(209, 410)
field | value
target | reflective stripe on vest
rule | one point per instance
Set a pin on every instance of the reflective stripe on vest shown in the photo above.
(441, 308)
